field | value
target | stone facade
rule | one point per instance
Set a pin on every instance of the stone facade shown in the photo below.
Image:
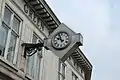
(48, 68)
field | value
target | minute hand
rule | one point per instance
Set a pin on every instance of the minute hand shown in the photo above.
(61, 38)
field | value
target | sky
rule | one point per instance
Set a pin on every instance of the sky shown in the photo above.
(98, 22)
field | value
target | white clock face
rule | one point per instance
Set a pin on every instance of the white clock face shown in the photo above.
(61, 40)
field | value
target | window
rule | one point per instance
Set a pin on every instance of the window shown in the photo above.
(34, 61)
(11, 49)
(82, 72)
(7, 16)
(16, 24)
(61, 71)
(3, 38)
(9, 34)
(74, 77)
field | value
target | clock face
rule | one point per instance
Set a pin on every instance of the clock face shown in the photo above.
(60, 40)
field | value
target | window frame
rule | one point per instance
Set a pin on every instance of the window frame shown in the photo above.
(75, 76)
(11, 31)
(61, 71)
(35, 56)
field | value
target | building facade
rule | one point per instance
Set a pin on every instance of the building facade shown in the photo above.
(30, 21)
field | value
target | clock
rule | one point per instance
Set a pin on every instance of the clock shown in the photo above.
(61, 40)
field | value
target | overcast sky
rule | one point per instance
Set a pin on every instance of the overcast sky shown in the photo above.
(99, 23)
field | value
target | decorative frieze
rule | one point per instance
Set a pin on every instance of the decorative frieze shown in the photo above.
(34, 17)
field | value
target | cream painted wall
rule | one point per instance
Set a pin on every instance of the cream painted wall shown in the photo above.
(50, 66)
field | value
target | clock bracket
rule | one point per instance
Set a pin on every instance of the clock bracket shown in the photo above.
(30, 49)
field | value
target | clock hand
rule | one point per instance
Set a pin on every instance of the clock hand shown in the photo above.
(60, 38)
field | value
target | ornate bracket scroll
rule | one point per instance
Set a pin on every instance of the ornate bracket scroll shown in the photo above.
(31, 49)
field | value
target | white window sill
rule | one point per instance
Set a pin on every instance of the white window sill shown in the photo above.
(5, 63)
(28, 77)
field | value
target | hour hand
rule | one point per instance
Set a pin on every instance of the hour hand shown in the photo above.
(60, 38)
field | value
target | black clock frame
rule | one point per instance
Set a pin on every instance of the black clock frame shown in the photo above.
(52, 41)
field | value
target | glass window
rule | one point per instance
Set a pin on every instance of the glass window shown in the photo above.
(30, 65)
(7, 15)
(34, 40)
(3, 38)
(82, 72)
(16, 24)
(74, 77)
(11, 49)
(61, 71)
(34, 61)
(38, 66)
(9, 34)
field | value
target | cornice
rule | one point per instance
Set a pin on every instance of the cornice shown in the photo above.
(44, 11)
(84, 62)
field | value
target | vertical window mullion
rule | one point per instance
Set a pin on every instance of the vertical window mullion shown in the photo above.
(11, 22)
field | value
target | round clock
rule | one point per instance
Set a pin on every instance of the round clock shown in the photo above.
(61, 40)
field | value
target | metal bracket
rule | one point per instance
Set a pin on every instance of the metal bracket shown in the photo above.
(31, 49)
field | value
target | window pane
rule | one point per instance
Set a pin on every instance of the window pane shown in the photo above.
(7, 15)
(63, 70)
(38, 67)
(73, 76)
(3, 38)
(30, 61)
(34, 40)
(30, 65)
(34, 61)
(11, 49)
(16, 24)
(59, 66)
